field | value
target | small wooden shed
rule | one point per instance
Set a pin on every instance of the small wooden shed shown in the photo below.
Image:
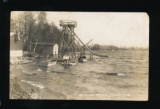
(45, 48)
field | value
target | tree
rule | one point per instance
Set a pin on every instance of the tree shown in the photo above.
(96, 47)
(33, 27)
(56, 34)
(24, 27)
(40, 28)
(12, 25)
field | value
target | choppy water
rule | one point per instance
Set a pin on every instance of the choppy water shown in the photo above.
(122, 61)
(130, 67)
(126, 61)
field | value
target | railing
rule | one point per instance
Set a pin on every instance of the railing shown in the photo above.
(68, 22)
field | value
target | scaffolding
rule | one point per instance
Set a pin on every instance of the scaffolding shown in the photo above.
(70, 40)
(68, 44)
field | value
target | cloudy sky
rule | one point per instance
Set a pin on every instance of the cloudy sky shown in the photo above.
(108, 28)
(120, 29)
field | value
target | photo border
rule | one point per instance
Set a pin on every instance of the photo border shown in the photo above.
(84, 6)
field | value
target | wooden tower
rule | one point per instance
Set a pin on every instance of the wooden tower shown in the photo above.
(68, 45)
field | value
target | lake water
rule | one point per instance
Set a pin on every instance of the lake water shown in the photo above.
(121, 76)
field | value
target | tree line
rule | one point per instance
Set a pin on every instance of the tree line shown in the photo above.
(113, 47)
(33, 27)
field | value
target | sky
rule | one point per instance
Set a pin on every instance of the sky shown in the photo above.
(108, 28)
(121, 29)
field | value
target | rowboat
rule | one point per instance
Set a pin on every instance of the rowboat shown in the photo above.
(45, 63)
(51, 63)
(72, 63)
(82, 59)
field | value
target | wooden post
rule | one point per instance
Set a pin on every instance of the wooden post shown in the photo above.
(91, 55)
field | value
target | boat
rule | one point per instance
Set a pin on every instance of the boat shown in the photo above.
(45, 63)
(65, 63)
(65, 60)
(72, 63)
(82, 59)
(51, 63)
(69, 63)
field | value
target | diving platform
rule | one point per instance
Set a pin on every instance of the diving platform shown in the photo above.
(68, 23)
